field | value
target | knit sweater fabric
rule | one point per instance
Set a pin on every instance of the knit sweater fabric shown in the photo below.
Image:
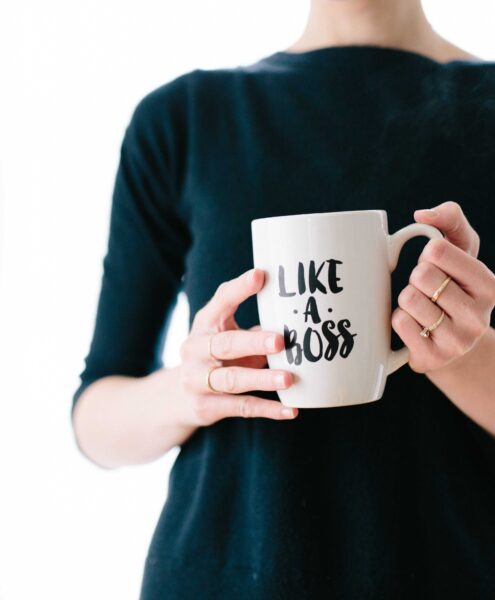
(386, 500)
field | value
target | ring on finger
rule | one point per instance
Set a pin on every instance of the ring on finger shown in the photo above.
(425, 332)
(440, 289)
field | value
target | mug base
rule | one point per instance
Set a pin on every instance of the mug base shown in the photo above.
(333, 405)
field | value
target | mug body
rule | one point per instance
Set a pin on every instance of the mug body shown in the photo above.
(327, 290)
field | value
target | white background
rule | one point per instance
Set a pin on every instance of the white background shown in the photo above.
(71, 73)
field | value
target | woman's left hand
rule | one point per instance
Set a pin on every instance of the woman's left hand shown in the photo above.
(468, 299)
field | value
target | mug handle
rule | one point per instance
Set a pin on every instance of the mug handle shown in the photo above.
(395, 243)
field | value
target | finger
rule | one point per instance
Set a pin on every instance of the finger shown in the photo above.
(422, 352)
(234, 380)
(197, 346)
(426, 313)
(256, 361)
(419, 306)
(468, 319)
(229, 294)
(210, 408)
(427, 278)
(471, 274)
(241, 342)
(451, 220)
(231, 344)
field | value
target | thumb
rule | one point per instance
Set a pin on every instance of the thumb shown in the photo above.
(452, 222)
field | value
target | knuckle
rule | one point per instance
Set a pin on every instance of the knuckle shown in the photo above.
(435, 249)
(230, 379)
(221, 288)
(420, 275)
(454, 206)
(397, 317)
(408, 295)
(245, 407)
(477, 326)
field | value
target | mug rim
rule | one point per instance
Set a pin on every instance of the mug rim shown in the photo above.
(321, 214)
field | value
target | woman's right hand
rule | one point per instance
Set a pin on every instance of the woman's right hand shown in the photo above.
(241, 355)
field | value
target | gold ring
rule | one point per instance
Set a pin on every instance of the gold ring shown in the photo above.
(208, 379)
(437, 293)
(425, 332)
(212, 356)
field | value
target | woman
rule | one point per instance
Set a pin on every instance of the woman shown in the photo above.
(370, 108)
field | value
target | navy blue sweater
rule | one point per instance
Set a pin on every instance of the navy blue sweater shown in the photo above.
(393, 499)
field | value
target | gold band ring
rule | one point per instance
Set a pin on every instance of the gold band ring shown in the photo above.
(437, 293)
(212, 389)
(425, 332)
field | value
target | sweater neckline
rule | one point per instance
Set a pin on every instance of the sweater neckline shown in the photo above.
(365, 54)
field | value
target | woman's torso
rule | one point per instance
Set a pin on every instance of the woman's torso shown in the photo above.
(393, 499)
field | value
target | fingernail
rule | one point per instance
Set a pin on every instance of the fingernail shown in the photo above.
(251, 274)
(270, 342)
(431, 212)
(287, 412)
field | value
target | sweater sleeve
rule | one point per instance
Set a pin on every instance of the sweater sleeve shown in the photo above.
(148, 239)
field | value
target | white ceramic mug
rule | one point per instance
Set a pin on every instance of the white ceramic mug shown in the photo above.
(328, 291)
